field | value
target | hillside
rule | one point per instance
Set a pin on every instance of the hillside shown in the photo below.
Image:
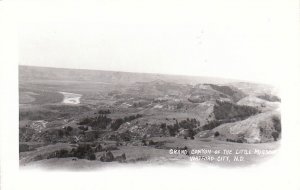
(261, 128)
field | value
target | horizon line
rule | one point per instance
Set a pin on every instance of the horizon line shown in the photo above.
(149, 73)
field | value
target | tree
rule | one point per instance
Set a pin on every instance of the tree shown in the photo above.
(276, 124)
(91, 156)
(151, 142)
(69, 128)
(107, 157)
(275, 135)
(115, 125)
(217, 133)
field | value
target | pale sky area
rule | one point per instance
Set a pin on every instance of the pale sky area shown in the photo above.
(234, 39)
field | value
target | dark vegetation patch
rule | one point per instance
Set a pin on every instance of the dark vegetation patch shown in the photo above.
(189, 124)
(84, 151)
(235, 95)
(211, 125)
(102, 121)
(217, 134)
(277, 126)
(99, 122)
(228, 111)
(224, 89)
(104, 111)
(118, 122)
(26, 134)
(123, 137)
(276, 123)
(235, 140)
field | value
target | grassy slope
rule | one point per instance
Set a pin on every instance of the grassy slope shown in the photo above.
(150, 155)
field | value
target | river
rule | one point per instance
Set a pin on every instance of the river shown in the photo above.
(71, 98)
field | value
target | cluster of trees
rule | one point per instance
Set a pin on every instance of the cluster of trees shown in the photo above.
(65, 131)
(277, 126)
(237, 141)
(118, 122)
(102, 121)
(83, 151)
(104, 111)
(225, 110)
(99, 122)
(86, 151)
(224, 89)
(211, 125)
(188, 123)
(26, 134)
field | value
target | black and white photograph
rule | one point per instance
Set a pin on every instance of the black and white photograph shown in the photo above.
(87, 119)
(132, 94)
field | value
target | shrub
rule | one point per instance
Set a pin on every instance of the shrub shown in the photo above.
(81, 151)
(86, 121)
(275, 135)
(151, 142)
(60, 133)
(98, 148)
(91, 156)
(144, 142)
(104, 112)
(188, 123)
(59, 154)
(107, 157)
(69, 128)
(217, 134)
(126, 136)
(115, 125)
(83, 128)
(277, 124)
(121, 158)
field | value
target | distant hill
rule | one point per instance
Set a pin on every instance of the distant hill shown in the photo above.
(33, 73)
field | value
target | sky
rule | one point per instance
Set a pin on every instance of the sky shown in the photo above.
(242, 39)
